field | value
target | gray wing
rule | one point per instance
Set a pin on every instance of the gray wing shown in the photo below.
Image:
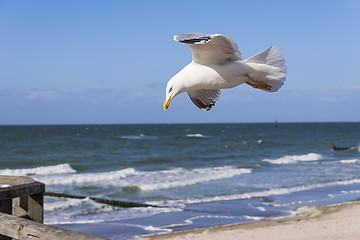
(204, 98)
(210, 48)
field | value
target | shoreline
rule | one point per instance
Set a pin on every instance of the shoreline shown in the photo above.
(336, 221)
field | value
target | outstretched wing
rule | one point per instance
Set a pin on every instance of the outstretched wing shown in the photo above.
(204, 98)
(210, 49)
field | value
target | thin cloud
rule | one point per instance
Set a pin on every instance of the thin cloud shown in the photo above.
(51, 106)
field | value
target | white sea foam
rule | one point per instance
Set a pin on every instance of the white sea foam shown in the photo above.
(43, 170)
(344, 192)
(265, 193)
(62, 203)
(99, 215)
(195, 135)
(190, 221)
(132, 137)
(259, 208)
(145, 180)
(182, 177)
(155, 229)
(63, 174)
(357, 147)
(288, 159)
(349, 161)
(104, 178)
(351, 192)
(137, 137)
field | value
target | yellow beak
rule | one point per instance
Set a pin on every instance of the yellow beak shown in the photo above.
(166, 103)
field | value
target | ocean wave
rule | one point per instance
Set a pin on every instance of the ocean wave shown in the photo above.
(109, 214)
(358, 147)
(190, 221)
(145, 180)
(195, 135)
(350, 192)
(43, 170)
(104, 178)
(182, 177)
(349, 161)
(137, 137)
(265, 193)
(63, 203)
(288, 159)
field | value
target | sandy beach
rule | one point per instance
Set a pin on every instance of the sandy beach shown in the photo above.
(339, 221)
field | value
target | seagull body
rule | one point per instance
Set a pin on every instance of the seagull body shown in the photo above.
(213, 76)
(216, 65)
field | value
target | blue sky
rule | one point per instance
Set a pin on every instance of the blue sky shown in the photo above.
(73, 62)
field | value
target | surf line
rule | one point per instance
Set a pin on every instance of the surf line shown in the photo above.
(117, 203)
(111, 202)
(102, 200)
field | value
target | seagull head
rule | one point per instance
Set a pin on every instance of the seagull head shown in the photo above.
(173, 88)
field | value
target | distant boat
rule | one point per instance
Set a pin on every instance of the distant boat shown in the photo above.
(340, 148)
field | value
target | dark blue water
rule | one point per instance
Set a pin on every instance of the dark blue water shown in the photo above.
(201, 174)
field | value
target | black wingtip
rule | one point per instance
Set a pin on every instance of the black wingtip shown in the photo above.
(195, 40)
(192, 38)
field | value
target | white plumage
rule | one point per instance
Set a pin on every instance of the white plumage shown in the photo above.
(216, 66)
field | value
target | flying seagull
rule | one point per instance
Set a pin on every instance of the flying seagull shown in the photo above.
(217, 65)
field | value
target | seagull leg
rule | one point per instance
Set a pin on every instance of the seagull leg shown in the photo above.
(258, 84)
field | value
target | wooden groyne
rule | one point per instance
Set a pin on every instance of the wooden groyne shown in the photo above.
(22, 212)
(116, 203)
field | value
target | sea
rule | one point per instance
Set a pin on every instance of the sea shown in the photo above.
(189, 175)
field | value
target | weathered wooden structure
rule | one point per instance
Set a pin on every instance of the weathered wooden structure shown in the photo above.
(22, 215)
(28, 196)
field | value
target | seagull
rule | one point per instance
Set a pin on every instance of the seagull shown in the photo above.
(217, 64)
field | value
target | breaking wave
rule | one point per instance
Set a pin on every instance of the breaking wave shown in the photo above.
(63, 174)
(289, 159)
(105, 178)
(195, 135)
(150, 181)
(265, 193)
(63, 203)
(138, 137)
(43, 170)
(181, 177)
(349, 161)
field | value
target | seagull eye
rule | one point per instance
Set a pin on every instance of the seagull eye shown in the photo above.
(170, 89)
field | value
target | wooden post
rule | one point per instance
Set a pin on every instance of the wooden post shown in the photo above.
(28, 196)
(23, 229)
(35, 207)
(5, 207)
(20, 208)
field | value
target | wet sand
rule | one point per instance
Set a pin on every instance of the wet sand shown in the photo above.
(339, 221)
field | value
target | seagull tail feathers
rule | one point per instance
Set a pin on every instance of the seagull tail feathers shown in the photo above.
(269, 69)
